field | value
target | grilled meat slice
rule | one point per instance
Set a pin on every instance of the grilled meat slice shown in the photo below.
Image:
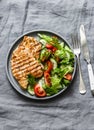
(24, 61)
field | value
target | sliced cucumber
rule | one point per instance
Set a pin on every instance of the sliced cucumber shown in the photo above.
(43, 41)
(54, 63)
(30, 90)
(41, 81)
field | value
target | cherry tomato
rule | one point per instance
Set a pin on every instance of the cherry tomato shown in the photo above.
(47, 78)
(68, 76)
(49, 46)
(39, 91)
(50, 66)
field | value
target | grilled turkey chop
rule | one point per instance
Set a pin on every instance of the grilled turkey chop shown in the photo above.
(24, 61)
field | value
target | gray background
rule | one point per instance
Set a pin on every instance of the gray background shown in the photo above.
(70, 111)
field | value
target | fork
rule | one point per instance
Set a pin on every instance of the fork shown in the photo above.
(77, 52)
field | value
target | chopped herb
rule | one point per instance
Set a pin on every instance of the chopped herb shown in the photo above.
(31, 80)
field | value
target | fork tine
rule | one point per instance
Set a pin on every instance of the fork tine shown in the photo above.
(73, 41)
(79, 44)
(76, 40)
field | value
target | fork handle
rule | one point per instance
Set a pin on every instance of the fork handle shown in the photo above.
(82, 88)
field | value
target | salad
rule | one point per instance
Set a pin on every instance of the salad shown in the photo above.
(58, 61)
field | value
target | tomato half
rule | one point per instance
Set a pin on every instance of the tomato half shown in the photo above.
(39, 91)
(49, 66)
(68, 76)
(49, 46)
(54, 49)
(47, 78)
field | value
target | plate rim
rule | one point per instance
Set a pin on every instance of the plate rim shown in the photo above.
(7, 62)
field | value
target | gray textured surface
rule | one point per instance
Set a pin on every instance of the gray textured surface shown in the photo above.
(70, 111)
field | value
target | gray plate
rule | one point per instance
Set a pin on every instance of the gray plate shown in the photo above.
(12, 80)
